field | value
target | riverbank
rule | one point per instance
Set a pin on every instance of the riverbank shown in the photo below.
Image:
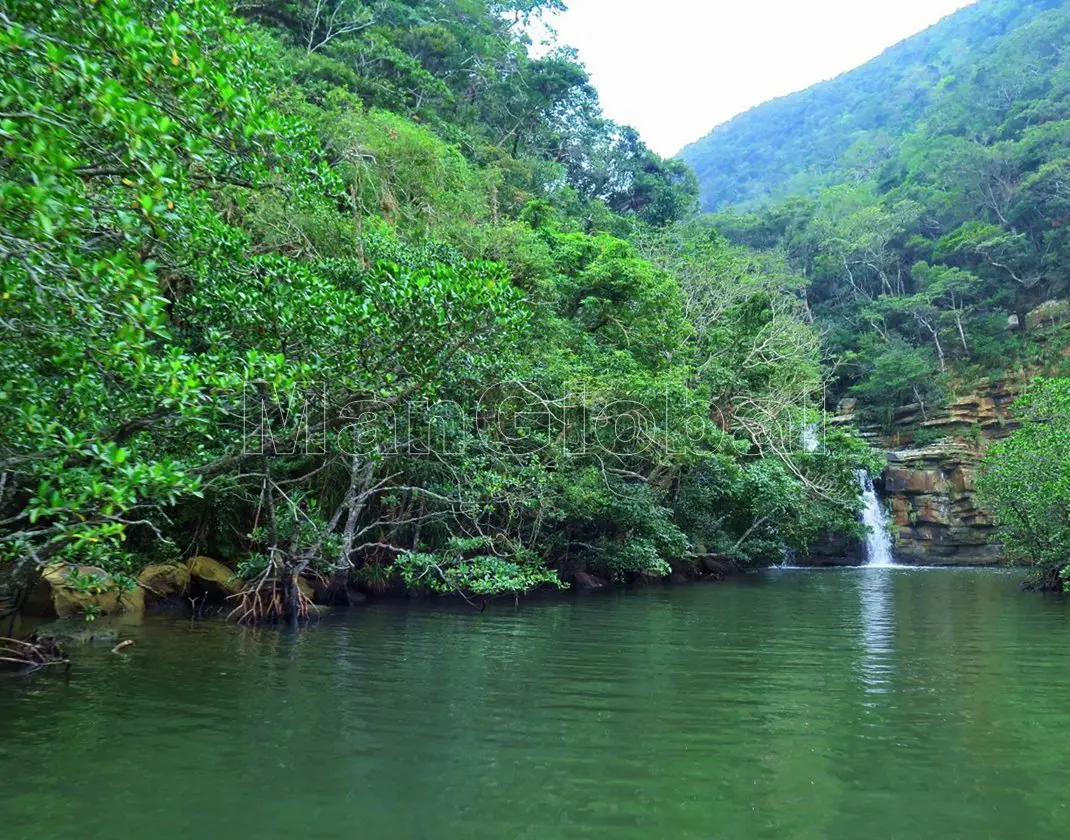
(203, 586)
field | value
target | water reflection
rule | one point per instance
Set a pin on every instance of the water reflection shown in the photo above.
(878, 628)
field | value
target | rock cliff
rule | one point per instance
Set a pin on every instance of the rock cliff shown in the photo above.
(937, 519)
(933, 459)
(930, 488)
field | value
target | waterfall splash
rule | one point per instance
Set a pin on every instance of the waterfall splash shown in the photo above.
(874, 517)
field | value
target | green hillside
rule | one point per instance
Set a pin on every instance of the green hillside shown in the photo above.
(845, 128)
(923, 266)
(364, 292)
(924, 200)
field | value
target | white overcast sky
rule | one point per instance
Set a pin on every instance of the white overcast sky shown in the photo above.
(676, 68)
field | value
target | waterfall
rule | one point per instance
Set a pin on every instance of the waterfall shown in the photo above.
(808, 438)
(878, 541)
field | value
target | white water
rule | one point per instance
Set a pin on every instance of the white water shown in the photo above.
(878, 540)
(808, 438)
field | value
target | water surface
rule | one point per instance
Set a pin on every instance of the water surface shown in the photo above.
(844, 704)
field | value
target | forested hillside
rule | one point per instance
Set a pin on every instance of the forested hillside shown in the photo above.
(519, 362)
(923, 268)
(847, 128)
(936, 260)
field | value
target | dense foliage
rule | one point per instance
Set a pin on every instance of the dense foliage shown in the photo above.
(926, 207)
(362, 290)
(1026, 482)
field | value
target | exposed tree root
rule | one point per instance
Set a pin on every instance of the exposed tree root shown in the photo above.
(1046, 580)
(271, 599)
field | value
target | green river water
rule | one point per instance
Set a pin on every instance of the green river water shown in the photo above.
(872, 703)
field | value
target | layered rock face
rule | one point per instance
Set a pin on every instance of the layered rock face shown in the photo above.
(930, 488)
(934, 508)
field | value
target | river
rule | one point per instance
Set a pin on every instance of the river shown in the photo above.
(887, 703)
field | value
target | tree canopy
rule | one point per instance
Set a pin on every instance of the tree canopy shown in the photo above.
(363, 291)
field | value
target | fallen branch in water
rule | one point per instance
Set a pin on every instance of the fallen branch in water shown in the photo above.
(32, 653)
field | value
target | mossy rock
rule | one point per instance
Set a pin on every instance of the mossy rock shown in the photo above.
(210, 577)
(1049, 313)
(132, 601)
(165, 580)
(56, 597)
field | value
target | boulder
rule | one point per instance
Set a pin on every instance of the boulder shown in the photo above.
(132, 601)
(718, 567)
(586, 581)
(834, 550)
(1049, 313)
(165, 580)
(211, 578)
(74, 591)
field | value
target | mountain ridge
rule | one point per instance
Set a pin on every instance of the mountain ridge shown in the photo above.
(824, 134)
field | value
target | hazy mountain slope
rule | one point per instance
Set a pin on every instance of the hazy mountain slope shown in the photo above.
(845, 128)
(942, 257)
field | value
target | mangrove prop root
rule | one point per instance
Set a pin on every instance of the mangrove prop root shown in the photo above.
(263, 601)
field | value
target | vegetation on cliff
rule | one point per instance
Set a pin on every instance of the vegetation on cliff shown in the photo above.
(362, 290)
(924, 199)
(1026, 482)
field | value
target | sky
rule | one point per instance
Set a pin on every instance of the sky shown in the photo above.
(674, 69)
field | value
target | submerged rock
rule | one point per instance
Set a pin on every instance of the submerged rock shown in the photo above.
(587, 581)
(72, 632)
